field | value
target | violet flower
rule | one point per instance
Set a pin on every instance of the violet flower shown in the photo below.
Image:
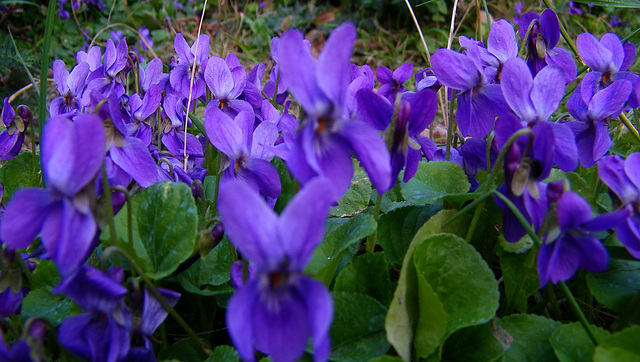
(226, 80)
(101, 333)
(568, 244)
(72, 153)
(280, 308)
(276, 81)
(324, 143)
(12, 138)
(392, 83)
(109, 78)
(70, 87)
(180, 76)
(609, 60)
(623, 179)
(544, 34)
(591, 129)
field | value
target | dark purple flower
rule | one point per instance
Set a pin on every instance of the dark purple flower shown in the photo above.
(180, 76)
(70, 87)
(280, 308)
(623, 179)
(392, 83)
(324, 143)
(12, 137)
(72, 153)
(568, 244)
(110, 77)
(101, 333)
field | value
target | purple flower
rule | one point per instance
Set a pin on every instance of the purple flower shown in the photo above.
(278, 310)
(110, 77)
(609, 60)
(70, 87)
(12, 137)
(101, 333)
(72, 153)
(226, 80)
(249, 151)
(324, 143)
(623, 179)
(180, 76)
(145, 38)
(572, 9)
(568, 244)
(392, 83)
(544, 34)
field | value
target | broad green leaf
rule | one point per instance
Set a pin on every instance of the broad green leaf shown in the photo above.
(167, 237)
(287, 184)
(45, 275)
(570, 342)
(386, 358)
(367, 274)
(397, 227)
(529, 337)
(357, 332)
(41, 303)
(134, 247)
(184, 350)
(341, 235)
(433, 181)
(431, 327)
(615, 287)
(620, 346)
(458, 201)
(404, 311)
(207, 274)
(484, 342)
(18, 173)
(460, 277)
(613, 3)
(224, 354)
(520, 277)
(357, 197)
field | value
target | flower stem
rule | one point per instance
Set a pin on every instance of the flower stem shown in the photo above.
(107, 196)
(578, 312)
(632, 129)
(156, 294)
(373, 238)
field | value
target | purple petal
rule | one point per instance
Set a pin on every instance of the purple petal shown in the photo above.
(150, 103)
(517, 86)
(548, 91)
(632, 168)
(182, 49)
(594, 54)
(265, 175)
(424, 106)
(223, 132)
(374, 109)
(628, 232)
(239, 319)
(573, 211)
(384, 75)
(77, 79)
(372, 152)
(264, 137)
(563, 59)
(60, 76)
(403, 73)
(577, 107)
(320, 314)
(202, 51)
(454, 70)
(612, 42)
(606, 221)
(564, 148)
(250, 224)
(153, 314)
(134, 158)
(591, 84)
(219, 78)
(611, 170)
(411, 165)
(24, 216)
(239, 76)
(550, 27)
(476, 114)
(301, 224)
(610, 100)
(333, 63)
(525, 22)
(629, 55)
(502, 40)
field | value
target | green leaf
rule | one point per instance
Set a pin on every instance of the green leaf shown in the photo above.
(224, 354)
(357, 332)
(620, 346)
(397, 227)
(484, 342)
(520, 277)
(570, 342)
(386, 358)
(41, 303)
(404, 311)
(288, 185)
(529, 337)
(613, 3)
(576, 181)
(167, 237)
(367, 274)
(357, 197)
(340, 235)
(183, 350)
(207, 274)
(616, 286)
(45, 275)
(432, 321)
(18, 173)
(435, 180)
(460, 277)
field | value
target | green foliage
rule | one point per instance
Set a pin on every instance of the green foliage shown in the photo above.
(613, 3)
(484, 342)
(18, 173)
(366, 274)
(528, 337)
(208, 274)
(356, 199)
(433, 181)
(620, 346)
(570, 342)
(617, 286)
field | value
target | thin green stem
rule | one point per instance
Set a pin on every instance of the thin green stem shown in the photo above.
(632, 129)
(373, 238)
(154, 291)
(578, 312)
(451, 127)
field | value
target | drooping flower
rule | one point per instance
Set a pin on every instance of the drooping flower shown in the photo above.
(568, 244)
(72, 153)
(623, 179)
(324, 143)
(12, 137)
(278, 310)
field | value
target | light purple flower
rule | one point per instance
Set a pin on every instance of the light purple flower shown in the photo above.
(70, 88)
(278, 310)
(180, 76)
